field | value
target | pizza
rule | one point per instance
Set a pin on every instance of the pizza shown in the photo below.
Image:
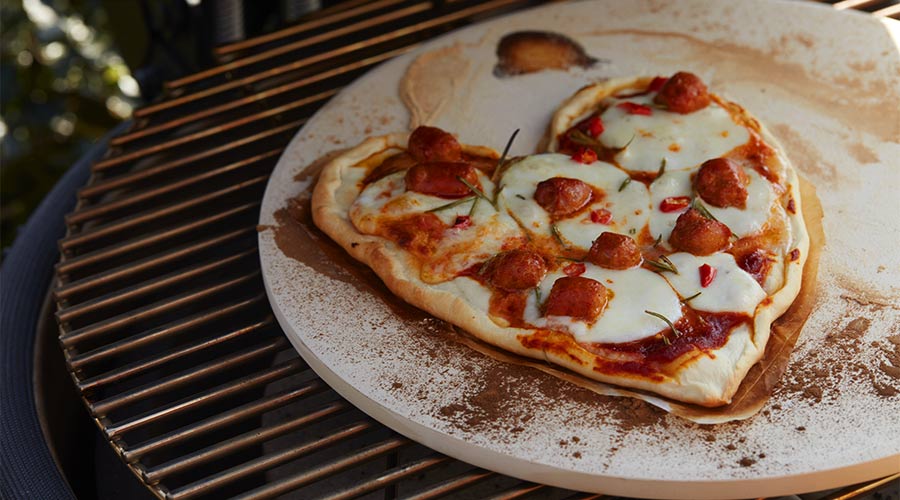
(650, 246)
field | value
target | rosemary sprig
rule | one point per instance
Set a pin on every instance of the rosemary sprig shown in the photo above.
(566, 259)
(662, 168)
(537, 296)
(632, 231)
(624, 184)
(498, 171)
(558, 235)
(623, 148)
(697, 205)
(519, 196)
(658, 241)
(663, 264)
(472, 208)
(579, 137)
(477, 191)
(676, 331)
(453, 204)
(692, 297)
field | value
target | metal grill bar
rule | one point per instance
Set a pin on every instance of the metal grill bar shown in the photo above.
(134, 236)
(452, 485)
(242, 384)
(519, 491)
(106, 185)
(238, 414)
(306, 42)
(153, 362)
(322, 57)
(121, 273)
(196, 136)
(141, 314)
(388, 478)
(243, 441)
(291, 483)
(215, 110)
(167, 384)
(855, 4)
(364, 8)
(125, 345)
(270, 461)
(166, 280)
(889, 11)
(858, 490)
(139, 198)
(190, 227)
(151, 216)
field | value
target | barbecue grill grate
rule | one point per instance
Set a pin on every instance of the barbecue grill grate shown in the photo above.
(163, 317)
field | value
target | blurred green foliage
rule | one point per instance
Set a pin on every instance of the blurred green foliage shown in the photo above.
(62, 86)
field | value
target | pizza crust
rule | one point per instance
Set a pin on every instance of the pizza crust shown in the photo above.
(706, 380)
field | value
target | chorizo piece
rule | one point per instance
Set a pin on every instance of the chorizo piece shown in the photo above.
(683, 93)
(576, 296)
(614, 251)
(698, 235)
(561, 196)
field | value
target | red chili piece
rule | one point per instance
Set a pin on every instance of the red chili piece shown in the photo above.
(674, 203)
(707, 275)
(601, 216)
(594, 126)
(633, 108)
(462, 222)
(657, 83)
(585, 155)
(795, 254)
(574, 269)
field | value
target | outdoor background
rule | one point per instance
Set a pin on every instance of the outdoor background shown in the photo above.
(69, 74)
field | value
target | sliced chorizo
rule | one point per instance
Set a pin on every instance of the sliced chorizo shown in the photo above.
(698, 235)
(683, 93)
(562, 196)
(722, 183)
(442, 179)
(614, 251)
(390, 165)
(515, 270)
(578, 297)
(433, 144)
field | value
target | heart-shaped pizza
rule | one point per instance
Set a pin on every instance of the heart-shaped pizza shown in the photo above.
(651, 247)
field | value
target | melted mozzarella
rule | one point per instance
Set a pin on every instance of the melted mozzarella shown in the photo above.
(685, 140)
(732, 289)
(624, 320)
(674, 183)
(460, 248)
(629, 207)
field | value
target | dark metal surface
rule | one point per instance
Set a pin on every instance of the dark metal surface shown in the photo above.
(163, 318)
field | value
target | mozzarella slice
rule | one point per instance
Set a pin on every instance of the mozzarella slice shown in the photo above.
(685, 140)
(628, 207)
(624, 320)
(732, 289)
